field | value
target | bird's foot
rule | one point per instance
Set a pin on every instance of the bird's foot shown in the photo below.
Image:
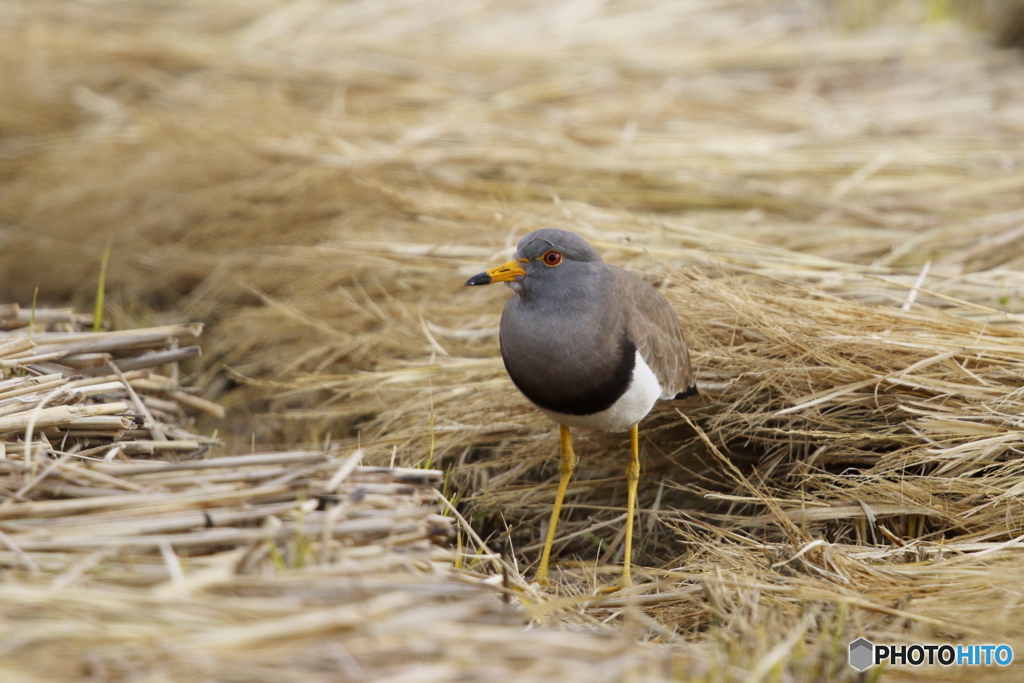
(624, 582)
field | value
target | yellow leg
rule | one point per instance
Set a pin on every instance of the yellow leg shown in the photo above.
(565, 470)
(632, 477)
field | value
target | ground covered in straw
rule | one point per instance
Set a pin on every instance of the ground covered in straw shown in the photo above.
(829, 193)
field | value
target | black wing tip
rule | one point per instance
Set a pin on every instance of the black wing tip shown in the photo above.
(692, 391)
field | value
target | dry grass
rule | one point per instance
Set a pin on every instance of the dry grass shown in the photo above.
(828, 193)
(65, 391)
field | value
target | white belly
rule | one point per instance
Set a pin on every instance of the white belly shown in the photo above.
(643, 391)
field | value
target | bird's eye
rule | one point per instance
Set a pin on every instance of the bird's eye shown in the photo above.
(552, 258)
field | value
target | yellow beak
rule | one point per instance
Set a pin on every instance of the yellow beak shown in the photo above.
(504, 273)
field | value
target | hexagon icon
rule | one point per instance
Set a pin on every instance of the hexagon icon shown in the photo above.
(862, 654)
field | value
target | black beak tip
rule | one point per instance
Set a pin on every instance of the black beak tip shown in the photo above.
(478, 279)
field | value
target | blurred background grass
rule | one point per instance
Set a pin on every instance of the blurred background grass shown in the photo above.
(235, 149)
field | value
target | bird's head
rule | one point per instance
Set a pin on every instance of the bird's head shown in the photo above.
(546, 261)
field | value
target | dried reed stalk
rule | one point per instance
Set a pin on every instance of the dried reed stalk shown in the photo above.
(37, 393)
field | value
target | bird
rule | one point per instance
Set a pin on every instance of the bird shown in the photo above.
(593, 346)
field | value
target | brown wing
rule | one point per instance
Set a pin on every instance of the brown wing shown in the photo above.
(653, 327)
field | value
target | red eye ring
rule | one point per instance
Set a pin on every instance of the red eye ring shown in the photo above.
(551, 258)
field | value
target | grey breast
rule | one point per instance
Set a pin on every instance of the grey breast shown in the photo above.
(570, 351)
